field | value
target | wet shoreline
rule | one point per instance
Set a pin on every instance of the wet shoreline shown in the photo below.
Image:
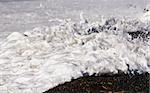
(106, 83)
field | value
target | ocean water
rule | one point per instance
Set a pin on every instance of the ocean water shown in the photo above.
(22, 15)
(46, 43)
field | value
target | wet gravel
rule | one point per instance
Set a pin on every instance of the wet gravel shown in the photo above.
(106, 83)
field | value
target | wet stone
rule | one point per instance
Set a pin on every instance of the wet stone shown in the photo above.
(106, 83)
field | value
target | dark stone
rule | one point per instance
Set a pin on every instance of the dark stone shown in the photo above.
(92, 30)
(146, 10)
(139, 34)
(83, 43)
(25, 35)
(85, 74)
(106, 83)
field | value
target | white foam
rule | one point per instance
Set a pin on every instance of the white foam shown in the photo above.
(34, 61)
(145, 17)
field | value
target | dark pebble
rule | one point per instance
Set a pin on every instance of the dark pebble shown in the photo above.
(106, 83)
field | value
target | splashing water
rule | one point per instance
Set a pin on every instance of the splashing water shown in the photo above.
(34, 61)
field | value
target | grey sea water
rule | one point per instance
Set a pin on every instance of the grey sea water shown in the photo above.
(22, 15)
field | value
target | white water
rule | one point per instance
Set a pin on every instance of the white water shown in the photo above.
(36, 60)
(40, 59)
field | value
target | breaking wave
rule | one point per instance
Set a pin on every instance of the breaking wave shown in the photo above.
(34, 61)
